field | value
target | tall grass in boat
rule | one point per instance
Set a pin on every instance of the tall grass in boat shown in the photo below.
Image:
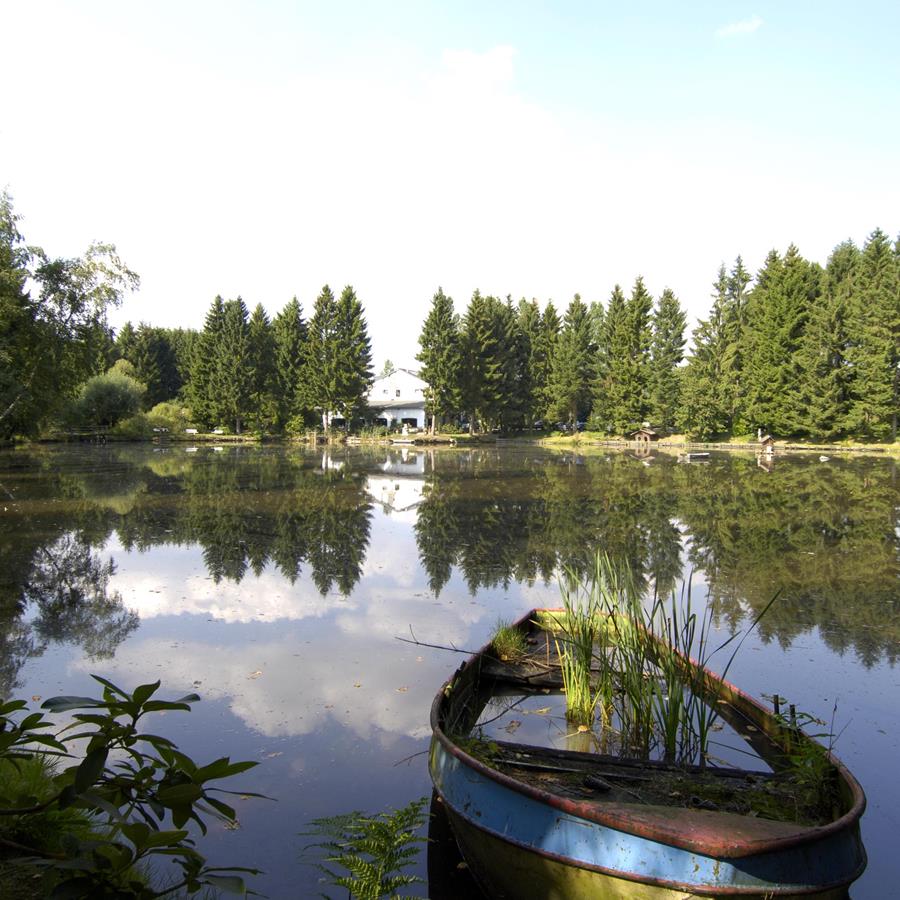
(628, 663)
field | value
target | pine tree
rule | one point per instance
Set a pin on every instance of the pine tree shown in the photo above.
(261, 363)
(338, 365)
(705, 410)
(290, 338)
(531, 360)
(233, 363)
(623, 390)
(777, 312)
(821, 389)
(549, 334)
(485, 372)
(440, 355)
(354, 354)
(666, 352)
(734, 316)
(610, 346)
(571, 366)
(874, 348)
(204, 389)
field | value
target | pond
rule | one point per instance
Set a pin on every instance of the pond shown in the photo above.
(277, 583)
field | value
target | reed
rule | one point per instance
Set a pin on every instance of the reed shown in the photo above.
(629, 662)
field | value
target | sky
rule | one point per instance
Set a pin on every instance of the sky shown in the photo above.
(264, 149)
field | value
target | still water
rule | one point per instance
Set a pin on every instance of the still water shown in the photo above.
(276, 583)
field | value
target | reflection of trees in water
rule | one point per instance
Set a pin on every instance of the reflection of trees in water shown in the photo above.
(246, 510)
(824, 535)
(559, 514)
(67, 599)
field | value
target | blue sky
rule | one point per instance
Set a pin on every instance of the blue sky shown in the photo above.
(533, 149)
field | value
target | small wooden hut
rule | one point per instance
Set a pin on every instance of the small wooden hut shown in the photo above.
(644, 436)
(767, 442)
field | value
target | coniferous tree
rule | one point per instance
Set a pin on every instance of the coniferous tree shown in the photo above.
(874, 347)
(125, 341)
(704, 405)
(777, 312)
(820, 396)
(338, 366)
(610, 346)
(571, 366)
(355, 355)
(666, 353)
(623, 392)
(290, 338)
(261, 363)
(440, 355)
(204, 393)
(531, 360)
(233, 364)
(734, 324)
(549, 334)
(320, 388)
(484, 376)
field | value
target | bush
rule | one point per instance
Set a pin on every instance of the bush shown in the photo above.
(138, 790)
(172, 415)
(106, 399)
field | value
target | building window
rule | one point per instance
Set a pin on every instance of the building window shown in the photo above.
(398, 392)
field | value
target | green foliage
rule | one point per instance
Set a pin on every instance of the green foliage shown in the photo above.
(106, 399)
(571, 375)
(172, 415)
(138, 788)
(54, 340)
(371, 851)
(666, 353)
(289, 333)
(440, 355)
(338, 365)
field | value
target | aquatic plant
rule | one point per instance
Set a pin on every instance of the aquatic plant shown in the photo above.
(373, 851)
(630, 660)
(508, 642)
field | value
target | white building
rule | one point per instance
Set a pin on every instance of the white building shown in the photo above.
(397, 398)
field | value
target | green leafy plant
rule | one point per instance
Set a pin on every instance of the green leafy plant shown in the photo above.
(137, 788)
(372, 851)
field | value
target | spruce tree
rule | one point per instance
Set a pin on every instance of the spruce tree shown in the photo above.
(290, 339)
(204, 393)
(571, 366)
(320, 374)
(623, 389)
(532, 360)
(441, 356)
(354, 354)
(874, 349)
(549, 334)
(611, 346)
(233, 363)
(485, 373)
(777, 312)
(705, 408)
(261, 363)
(820, 400)
(666, 353)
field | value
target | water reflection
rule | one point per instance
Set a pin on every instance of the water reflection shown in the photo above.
(824, 534)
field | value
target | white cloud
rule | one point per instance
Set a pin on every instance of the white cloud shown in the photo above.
(745, 26)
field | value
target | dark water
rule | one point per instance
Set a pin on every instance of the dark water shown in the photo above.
(275, 583)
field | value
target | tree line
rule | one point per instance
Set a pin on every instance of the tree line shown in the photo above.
(798, 350)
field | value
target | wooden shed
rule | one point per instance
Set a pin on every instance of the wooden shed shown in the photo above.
(767, 442)
(644, 435)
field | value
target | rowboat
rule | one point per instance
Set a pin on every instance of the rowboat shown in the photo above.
(537, 821)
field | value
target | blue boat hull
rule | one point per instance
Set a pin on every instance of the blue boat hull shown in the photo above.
(520, 847)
